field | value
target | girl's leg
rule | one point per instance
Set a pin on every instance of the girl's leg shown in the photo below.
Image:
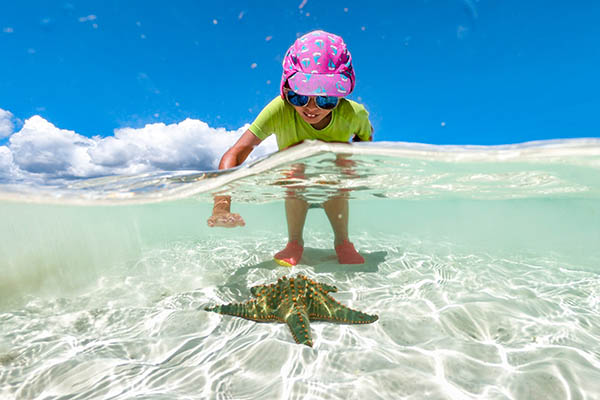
(336, 209)
(295, 212)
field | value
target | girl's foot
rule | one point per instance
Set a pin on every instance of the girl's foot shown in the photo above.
(347, 254)
(289, 256)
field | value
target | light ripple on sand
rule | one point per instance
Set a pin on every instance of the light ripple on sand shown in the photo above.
(448, 327)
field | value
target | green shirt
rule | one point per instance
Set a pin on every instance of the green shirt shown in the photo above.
(279, 117)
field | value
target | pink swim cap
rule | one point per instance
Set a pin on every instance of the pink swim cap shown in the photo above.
(318, 64)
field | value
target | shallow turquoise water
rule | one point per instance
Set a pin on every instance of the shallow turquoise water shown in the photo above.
(482, 264)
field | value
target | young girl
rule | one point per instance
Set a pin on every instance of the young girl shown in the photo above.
(317, 75)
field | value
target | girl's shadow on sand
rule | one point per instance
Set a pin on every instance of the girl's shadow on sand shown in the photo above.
(321, 261)
(325, 260)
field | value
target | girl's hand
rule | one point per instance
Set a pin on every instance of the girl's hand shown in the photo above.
(225, 220)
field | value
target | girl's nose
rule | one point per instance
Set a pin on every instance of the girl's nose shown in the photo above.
(311, 105)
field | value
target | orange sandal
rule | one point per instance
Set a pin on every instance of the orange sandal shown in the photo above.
(289, 256)
(347, 254)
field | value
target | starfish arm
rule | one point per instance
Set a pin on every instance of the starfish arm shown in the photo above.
(252, 310)
(298, 322)
(328, 288)
(258, 289)
(326, 308)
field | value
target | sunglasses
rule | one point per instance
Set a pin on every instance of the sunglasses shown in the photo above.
(323, 102)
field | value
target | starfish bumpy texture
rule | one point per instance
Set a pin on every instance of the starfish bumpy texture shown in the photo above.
(295, 302)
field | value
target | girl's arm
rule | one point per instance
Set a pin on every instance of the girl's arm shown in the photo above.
(233, 157)
(238, 153)
(355, 137)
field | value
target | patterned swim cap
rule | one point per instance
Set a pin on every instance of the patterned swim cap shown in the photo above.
(318, 64)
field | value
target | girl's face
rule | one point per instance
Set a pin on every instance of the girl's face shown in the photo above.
(314, 115)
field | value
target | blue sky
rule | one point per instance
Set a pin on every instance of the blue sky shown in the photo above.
(440, 72)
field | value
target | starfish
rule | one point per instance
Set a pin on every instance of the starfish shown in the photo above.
(295, 302)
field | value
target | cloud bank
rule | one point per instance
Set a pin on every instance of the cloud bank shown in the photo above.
(42, 152)
(6, 123)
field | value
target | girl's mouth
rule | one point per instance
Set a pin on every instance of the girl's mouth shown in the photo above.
(309, 115)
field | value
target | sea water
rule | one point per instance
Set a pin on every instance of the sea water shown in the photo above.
(482, 264)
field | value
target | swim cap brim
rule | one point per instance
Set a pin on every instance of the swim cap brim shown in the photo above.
(338, 85)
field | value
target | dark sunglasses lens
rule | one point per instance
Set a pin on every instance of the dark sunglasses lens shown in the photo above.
(327, 102)
(297, 99)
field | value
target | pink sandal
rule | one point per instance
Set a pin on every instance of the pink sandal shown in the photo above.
(289, 256)
(347, 254)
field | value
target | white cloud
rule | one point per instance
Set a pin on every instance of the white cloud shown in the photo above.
(41, 150)
(90, 17)
(8, 170)
(190, 144)
(6, 123)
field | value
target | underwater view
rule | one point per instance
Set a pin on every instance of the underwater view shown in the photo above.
(481, 268)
